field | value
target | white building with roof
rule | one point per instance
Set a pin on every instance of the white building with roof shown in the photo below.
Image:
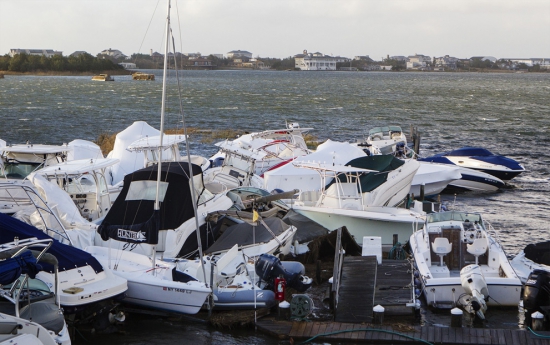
(113, 52)
(315, 62)
(39, 52)
(542, 62)
(239, 53)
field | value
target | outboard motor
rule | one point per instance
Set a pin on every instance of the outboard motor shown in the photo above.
(474, 285)
(269, 267)
(537, 291)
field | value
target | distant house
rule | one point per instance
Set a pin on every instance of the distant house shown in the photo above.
(219, 56)
(201, 62)
(78, 53)
(363, 58)
(115, 53)
(39, 52)
(445, 63)
(315, 62)
(397, 58)
(483, 58)
(239, 53)
(418, 61)
(542, 62)
(255, 64)
(192, 56)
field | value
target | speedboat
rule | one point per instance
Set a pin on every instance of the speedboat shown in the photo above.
(29, 312)
(458, 262)
(478, 158)
(433, 178)
(362, 199)
(535, 256)
(386, 138)
(475, 180)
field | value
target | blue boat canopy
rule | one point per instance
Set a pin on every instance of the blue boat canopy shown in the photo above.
(67, 256)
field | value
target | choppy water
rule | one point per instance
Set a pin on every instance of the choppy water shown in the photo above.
(508, 114)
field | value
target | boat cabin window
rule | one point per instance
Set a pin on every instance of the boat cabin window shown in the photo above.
(237, 162)
(202, 193)
(146, 190)
(18, 170)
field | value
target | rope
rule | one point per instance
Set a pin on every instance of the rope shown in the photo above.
(538, 335)
(369, 329)
(397, 252)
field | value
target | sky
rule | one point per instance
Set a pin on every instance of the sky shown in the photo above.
(283, 28)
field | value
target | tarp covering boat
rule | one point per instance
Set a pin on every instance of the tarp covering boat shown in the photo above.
(245, 234)
(134, 206)
(67, 256)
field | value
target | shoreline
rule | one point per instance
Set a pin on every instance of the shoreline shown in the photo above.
(65, 73)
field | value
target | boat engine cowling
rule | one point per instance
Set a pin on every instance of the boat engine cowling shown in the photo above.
(474, 285)
(537, 291)
(269, 267)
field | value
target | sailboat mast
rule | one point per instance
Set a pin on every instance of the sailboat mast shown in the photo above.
(163, 106)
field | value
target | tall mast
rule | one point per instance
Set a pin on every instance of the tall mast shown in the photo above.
(163, 106)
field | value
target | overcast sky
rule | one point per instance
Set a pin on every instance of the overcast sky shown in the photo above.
(283, 28)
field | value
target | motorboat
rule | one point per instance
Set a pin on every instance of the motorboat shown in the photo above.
(135, 205)
(103, 77)
(535, 256)
(87, 292)
(19, 160)
(85, 182)
(29, 309)
(272, 148)
(476, 181)
(432, 178)
(459, 262)
(362, 199)
(481, 159)
(386, 138)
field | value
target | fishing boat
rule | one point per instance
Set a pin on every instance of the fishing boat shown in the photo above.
(480, 159)
(29, 309)
(362, 199)
(459, 262)
(103, 77)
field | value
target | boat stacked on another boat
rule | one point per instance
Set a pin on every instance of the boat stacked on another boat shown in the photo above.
(458, 262)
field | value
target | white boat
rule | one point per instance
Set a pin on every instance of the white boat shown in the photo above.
(477, 181)
(478, 158)
(454, 241)
(533, 257)
(386, 138)
(362, 200)
(433, 178)
(30, 311)
(85, 287)
(85, 182)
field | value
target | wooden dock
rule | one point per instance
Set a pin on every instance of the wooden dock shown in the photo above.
(376, 334)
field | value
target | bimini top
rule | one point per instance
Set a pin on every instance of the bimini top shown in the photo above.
(135, 203)
(77, 167)
(244, 234)
(379, 166)
(153, 142)
(38, 149)
(68, 257)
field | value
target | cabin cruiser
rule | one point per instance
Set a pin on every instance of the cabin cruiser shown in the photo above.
(458, 262)
(480, 159)
(29, 313)
(362, 199)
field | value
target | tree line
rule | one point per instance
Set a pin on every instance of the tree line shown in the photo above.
(36, 63)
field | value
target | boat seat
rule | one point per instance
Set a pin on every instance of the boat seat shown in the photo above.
(477, 248)
(441, 247)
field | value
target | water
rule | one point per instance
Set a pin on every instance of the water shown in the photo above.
(508, 114)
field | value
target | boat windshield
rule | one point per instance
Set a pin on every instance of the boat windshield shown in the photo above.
(18, 171)
(203, 194)
(453, 215)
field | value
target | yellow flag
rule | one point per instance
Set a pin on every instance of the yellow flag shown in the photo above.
(255, 216)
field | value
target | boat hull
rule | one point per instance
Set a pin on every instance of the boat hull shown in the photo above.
(384, 222)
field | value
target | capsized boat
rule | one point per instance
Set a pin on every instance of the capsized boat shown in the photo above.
(481, 159)
(451, 249)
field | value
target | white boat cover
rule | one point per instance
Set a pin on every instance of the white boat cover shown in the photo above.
(83, 149)
(129, 161)
(290, 177)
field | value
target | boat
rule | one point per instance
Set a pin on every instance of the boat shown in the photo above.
(143, 76)
(362, 199)
(457, 259)
(480, 159)
(431, 178)
(476, 181)
(85, 182)
(19, 160)
(29, 309)
(386, 138)
(87, 292)
(103, 77)
(535, 256)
